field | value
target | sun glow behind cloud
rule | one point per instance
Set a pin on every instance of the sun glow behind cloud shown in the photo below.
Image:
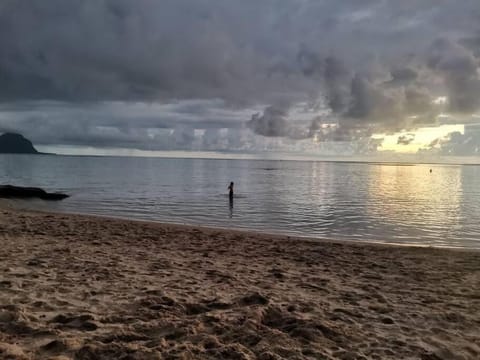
(420, 138)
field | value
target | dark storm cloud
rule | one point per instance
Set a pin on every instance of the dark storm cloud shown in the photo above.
(460, 69)
(144, 49)
(138, 50)
(472, 43)
(371, 65)
(337, 81)
(402, 76)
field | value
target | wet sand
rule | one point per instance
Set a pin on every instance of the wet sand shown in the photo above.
(79, 287)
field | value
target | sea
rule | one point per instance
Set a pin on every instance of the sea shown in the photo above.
(405, 204)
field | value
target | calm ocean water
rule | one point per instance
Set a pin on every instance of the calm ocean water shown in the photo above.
(366, 202)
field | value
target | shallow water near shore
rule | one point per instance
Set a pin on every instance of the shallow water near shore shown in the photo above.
(402, 204)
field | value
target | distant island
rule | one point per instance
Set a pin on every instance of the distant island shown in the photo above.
(11, 143)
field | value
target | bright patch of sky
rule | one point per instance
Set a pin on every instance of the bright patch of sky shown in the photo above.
(420, 138)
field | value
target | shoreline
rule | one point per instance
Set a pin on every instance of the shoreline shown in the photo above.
(271, 233)
(88, 287)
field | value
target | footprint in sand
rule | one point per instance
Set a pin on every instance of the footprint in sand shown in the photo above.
(81, 322)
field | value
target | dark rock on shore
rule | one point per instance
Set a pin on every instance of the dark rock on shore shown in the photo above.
(10, 191)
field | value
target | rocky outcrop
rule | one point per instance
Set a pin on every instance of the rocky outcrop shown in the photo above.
(11, 143)
(10, 191)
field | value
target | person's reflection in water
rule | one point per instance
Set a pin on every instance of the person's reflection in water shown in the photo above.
(230, 198)
(230, 207)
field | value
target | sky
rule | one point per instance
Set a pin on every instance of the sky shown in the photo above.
(341, 78)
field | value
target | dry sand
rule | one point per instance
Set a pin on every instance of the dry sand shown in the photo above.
(78, 287)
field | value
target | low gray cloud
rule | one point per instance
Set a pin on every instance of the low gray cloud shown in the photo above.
(273, 122)
(456, 143)
(143, 126)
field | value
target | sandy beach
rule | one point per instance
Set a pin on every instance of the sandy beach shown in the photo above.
(80, 287)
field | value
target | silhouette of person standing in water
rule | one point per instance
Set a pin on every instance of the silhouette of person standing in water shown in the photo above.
(230, 191)
(230, 198)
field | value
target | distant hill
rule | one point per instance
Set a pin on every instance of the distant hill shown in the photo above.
(11, 143)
